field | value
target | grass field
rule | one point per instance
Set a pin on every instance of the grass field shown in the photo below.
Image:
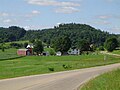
(32, 65)
(8, 54)
(108, 81)
(116, 52)
(17, 42)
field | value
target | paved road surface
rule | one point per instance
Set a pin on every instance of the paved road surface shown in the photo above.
(69, 80)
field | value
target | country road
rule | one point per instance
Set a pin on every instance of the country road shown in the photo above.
(68, 80)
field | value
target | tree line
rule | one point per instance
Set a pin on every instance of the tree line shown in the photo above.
(79, 36)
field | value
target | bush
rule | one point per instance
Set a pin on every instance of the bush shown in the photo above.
(66, 66)
(16, 45)
(52, 52)
(110, 44)
(51, 69)
(101, 48)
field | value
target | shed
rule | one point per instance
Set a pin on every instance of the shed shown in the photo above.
(24, 52)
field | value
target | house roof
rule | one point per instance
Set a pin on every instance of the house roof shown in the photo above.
(29, 46)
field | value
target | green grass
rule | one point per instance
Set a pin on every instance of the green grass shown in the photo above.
(107, 81)
(7, 44)
(116, 52)
(32, 65)
(17, 42)
(8, 54)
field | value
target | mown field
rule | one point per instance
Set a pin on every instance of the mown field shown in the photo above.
(32, 65)
(8, 54)
(107, 81)
(116, 52)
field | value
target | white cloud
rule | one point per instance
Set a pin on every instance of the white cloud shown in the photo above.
(7, 21)
(104, 16)
(66, 10)
(101, 22)
(33, 13)
(52, 3)
(62, 6)
(3, 14)
(35, 27)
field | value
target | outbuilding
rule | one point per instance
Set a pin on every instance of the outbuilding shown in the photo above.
(59, 54)
(24, 52)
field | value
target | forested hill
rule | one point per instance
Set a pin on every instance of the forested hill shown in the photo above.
(12, 33)
(75, 32)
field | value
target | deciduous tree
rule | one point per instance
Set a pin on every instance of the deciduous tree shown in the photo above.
(110, 44)
(38, 47)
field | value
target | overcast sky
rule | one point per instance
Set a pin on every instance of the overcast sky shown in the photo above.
(39, 14)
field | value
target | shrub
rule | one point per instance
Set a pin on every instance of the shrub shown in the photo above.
(66, 66)
(51, 69)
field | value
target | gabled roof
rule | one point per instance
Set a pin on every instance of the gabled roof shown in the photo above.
(29, 46)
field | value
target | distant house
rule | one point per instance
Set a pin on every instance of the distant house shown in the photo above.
(24, 52)
(74, 52)
(59, 54)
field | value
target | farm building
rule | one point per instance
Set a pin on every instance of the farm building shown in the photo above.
(24, 52)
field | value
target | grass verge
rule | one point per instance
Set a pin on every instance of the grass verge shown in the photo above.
(107, 81)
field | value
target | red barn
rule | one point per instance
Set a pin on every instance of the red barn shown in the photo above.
(24, 52)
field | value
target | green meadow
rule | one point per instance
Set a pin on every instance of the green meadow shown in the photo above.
(32, 65)
(107, 81)
(116, 52)
(8, 54)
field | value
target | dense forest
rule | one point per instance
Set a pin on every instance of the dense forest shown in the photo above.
(12, 33)
(76, 33)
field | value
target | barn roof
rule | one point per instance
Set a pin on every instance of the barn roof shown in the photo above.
(22, 49)
(29, 46)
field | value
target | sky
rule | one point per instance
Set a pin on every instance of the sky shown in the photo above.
(40, 14)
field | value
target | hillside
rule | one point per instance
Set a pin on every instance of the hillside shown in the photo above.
(12, 33)
(76, 32)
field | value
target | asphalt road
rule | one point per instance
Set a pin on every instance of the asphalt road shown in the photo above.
(68, 80)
